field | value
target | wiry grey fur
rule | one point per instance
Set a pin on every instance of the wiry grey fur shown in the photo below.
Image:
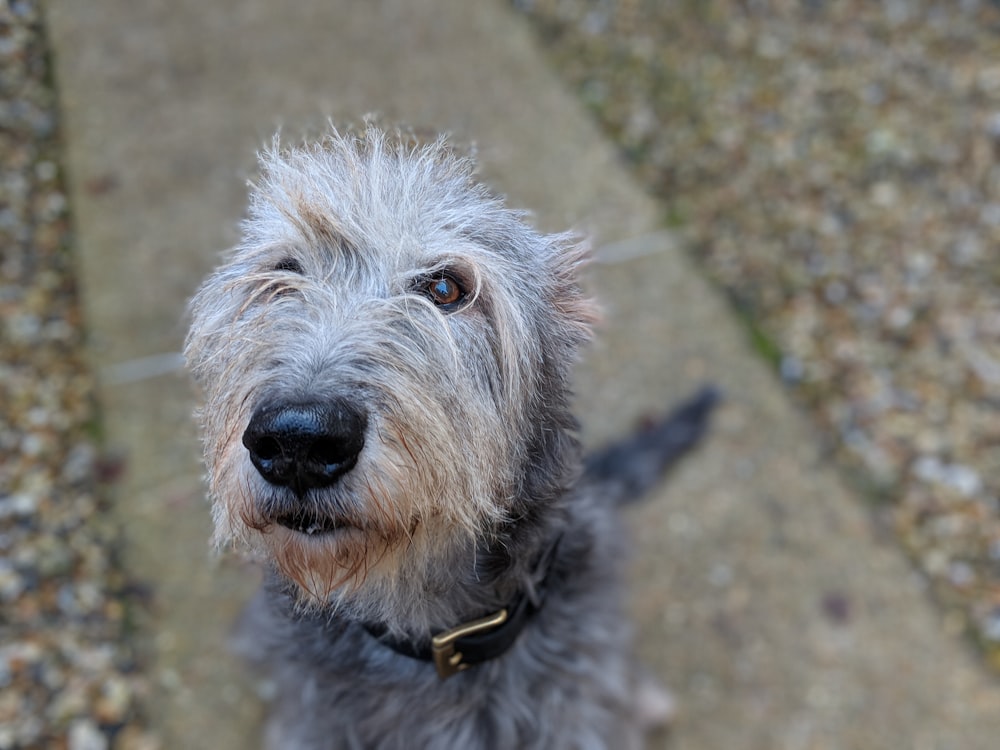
(469, 468)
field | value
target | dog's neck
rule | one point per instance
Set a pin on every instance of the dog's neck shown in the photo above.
(474, 579)
(485, 637)
(460, 584)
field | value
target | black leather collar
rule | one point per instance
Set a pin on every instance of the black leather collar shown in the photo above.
(479, 640)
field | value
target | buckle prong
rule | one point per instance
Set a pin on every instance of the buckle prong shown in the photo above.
(447, 660)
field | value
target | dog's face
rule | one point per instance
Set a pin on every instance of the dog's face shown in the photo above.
(382, 359)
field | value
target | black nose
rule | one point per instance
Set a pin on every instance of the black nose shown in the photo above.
(305, 446)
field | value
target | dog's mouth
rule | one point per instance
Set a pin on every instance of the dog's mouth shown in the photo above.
(311, 524)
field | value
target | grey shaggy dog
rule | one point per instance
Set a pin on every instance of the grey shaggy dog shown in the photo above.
(385, 362)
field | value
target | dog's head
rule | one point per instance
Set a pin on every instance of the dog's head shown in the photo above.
(384, 361)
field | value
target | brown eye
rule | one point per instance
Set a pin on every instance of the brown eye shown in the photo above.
(444, 292)
(290, 265)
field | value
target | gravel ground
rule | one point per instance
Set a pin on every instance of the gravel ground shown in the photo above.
(66, 679)
(835, 167)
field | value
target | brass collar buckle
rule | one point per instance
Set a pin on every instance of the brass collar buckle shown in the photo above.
(447, 660)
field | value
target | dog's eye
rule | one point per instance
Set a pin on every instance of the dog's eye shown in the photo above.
(444, 291)
(288, 264)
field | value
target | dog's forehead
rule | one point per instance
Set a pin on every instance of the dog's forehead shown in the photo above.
(398, 210)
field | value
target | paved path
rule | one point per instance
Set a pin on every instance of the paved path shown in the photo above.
(762, 595)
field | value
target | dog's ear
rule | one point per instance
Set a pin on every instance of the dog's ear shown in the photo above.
(569, 255)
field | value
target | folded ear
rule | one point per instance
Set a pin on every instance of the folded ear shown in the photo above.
(569, 254)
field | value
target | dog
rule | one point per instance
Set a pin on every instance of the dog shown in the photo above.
(384, 362)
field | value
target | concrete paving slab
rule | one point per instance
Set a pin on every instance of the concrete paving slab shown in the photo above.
(763, 596)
